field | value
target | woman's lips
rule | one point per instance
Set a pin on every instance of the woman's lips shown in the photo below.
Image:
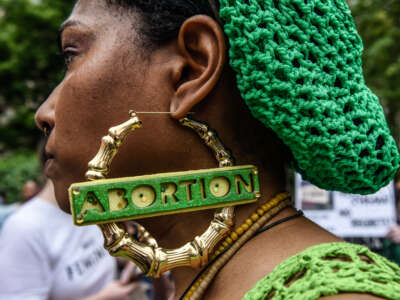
(49, 164)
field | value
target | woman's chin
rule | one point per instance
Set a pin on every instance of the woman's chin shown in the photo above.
(62, 199)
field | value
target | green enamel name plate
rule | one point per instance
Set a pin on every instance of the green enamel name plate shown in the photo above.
(113, 200)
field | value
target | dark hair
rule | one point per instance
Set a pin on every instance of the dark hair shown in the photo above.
(163, 18)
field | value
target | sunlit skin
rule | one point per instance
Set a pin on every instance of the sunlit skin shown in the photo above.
(109, 73)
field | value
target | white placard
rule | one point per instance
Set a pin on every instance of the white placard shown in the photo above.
(347, 215)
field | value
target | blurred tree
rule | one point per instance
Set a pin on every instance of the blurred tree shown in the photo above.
(29, 65)
(378, 22)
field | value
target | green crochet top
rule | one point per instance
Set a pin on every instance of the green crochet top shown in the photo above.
(330, 269)
(299, 69)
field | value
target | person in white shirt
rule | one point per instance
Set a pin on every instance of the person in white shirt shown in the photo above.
(43, 256)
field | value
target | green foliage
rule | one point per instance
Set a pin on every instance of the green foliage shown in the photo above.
(29, 65)
(15, 170)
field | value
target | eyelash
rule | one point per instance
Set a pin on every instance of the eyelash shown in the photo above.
(69, 56)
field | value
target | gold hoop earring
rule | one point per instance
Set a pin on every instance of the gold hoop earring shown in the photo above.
(152, 259)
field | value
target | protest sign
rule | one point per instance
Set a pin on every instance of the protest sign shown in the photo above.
(347, 215)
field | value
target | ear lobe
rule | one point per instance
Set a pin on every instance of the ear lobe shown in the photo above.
(202, 44)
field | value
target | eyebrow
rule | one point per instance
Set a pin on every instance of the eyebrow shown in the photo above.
(66, 24)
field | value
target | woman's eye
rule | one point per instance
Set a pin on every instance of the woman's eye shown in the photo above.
(69, 56)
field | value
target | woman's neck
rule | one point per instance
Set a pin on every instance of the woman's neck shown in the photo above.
(177, 230)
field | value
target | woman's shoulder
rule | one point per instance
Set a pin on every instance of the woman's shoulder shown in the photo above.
(290, 253)
(262, 254)
(330, 269)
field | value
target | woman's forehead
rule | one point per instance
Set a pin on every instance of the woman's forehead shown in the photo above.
(99, 7)
(90, 5)
(87, 6)
(97, 14)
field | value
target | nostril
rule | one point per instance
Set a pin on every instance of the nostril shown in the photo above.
(46, 128)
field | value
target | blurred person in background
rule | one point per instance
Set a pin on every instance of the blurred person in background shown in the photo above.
(391, 246)
(29, 190)
(394, 234)
(44, 256)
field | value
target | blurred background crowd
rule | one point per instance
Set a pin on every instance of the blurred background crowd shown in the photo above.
(30, 67)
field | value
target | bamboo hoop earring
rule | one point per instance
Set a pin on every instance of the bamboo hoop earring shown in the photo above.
(147, 255)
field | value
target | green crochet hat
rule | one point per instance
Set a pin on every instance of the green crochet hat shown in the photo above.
(299, 69)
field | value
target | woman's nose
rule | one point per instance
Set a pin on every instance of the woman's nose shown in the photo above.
(44, 117)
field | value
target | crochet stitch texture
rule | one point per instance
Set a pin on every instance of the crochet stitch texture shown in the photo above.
(299, 69)
(330, 269)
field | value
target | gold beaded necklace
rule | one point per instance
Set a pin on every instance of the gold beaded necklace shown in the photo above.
(235, 241)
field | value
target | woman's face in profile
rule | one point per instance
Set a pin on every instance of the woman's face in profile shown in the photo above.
(108, 73)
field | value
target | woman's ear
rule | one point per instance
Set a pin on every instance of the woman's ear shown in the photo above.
(202, 45)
